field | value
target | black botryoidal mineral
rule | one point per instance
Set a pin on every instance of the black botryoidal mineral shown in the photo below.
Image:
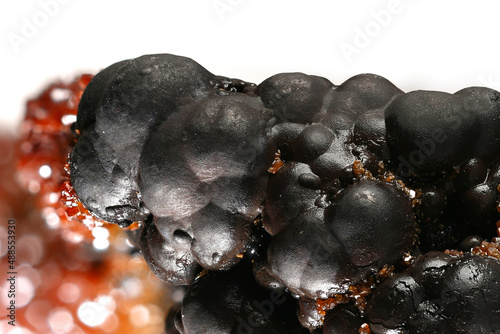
(315, 185)
(233, 302)
(439, 294)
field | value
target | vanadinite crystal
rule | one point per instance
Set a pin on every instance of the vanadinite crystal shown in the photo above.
(71, 277)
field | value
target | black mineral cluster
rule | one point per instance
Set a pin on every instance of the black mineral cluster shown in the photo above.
(298, 205)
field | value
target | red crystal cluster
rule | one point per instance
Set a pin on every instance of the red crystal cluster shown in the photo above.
(66, 283)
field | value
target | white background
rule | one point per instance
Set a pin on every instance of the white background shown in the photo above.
(421, 44)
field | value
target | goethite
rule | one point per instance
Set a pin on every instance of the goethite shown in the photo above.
(359, 206)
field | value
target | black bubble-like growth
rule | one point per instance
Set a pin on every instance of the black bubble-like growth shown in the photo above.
(374, 221)
(170, 263)
(291, 194)
(300, 185)
(205, 170)
(484, 103)
(342, 319)
(294, 97)
(118, 112)
(232, 302)
(310, 261)
(368, 224)
(430, 131)
(439, 294)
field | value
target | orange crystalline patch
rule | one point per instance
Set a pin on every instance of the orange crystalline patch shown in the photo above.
(454, 252)
(325, 305)
(487, 249)
(75, 209)
(45, 143)
(359, 293)
(358, 169)
(277, 163)
(364, 329)
(356, 294)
